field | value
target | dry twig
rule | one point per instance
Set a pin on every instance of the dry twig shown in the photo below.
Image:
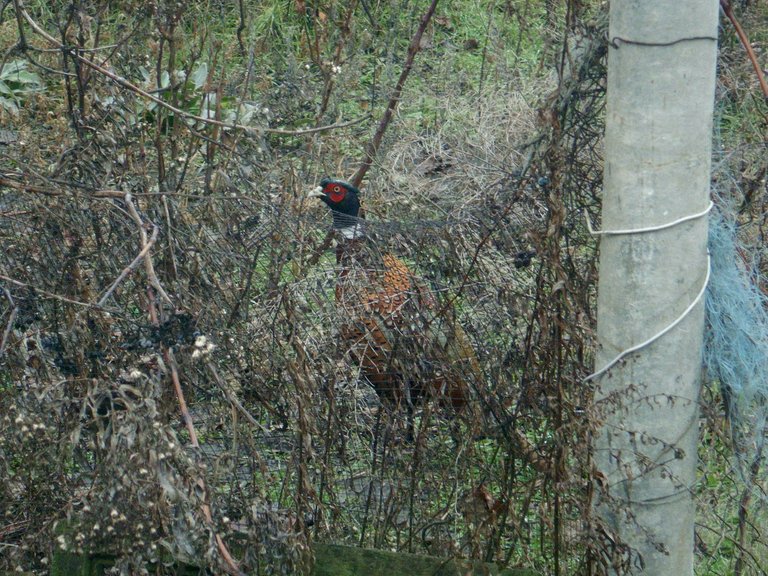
(131, 267)
(728, 11)
(148, 266)
(373, 146)
(11, 320)
(160, 102)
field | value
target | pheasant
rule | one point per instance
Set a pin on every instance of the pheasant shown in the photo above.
(407, 346)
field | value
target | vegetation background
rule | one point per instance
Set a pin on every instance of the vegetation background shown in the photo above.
(171, 384)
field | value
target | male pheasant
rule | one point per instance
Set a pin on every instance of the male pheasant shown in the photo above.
(406, 345)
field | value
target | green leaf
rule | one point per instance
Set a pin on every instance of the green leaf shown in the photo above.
(200, 75)
(5, 89)
(13, 67)
(16, 79)
(8, 105)
(26, 77)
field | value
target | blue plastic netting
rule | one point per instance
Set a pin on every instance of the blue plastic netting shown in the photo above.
(736, 338)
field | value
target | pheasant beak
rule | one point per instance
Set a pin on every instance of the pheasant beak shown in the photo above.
(316, 192)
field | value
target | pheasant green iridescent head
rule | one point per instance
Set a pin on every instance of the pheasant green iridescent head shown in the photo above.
(344, 201)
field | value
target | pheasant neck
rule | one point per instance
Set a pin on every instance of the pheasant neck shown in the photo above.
(355, 232)
(350, 227)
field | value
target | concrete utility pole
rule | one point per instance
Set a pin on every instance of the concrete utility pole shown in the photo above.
(661, 83)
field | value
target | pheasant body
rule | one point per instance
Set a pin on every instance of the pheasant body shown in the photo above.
(392, 325)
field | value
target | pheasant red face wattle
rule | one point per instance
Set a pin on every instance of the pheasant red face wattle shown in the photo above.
(335, 192)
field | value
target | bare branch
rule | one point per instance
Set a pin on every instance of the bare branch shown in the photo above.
(373, 145)
(728, 11)
(11, 320)
(160, 102)
(206, 509)
(232, 399)
(131, 267)
(46, 293)
(28, 187)
(148, 266)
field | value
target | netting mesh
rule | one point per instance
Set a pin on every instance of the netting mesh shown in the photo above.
(239, 317)
(283, 415)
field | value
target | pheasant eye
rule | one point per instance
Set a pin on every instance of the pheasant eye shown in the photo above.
(337, 193)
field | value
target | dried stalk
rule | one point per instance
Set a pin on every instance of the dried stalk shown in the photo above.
(143, 93)
(45, 292)
(728, 11)
(329, 83)
(11, 320)
(130, 268)
(149, 268)
(171, 362)
(206, 509)
(28, 187)
(132, 87)
(373, 146)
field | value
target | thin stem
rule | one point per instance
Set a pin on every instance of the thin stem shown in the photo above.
(373, 146)
(728, 10)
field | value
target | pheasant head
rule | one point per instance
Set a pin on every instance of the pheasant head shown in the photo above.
(344, 201)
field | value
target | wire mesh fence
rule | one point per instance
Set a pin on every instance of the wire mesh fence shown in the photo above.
(189, 362)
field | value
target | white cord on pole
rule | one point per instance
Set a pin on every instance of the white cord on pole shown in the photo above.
(658, 335)
(685, 313)
(649, 228)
